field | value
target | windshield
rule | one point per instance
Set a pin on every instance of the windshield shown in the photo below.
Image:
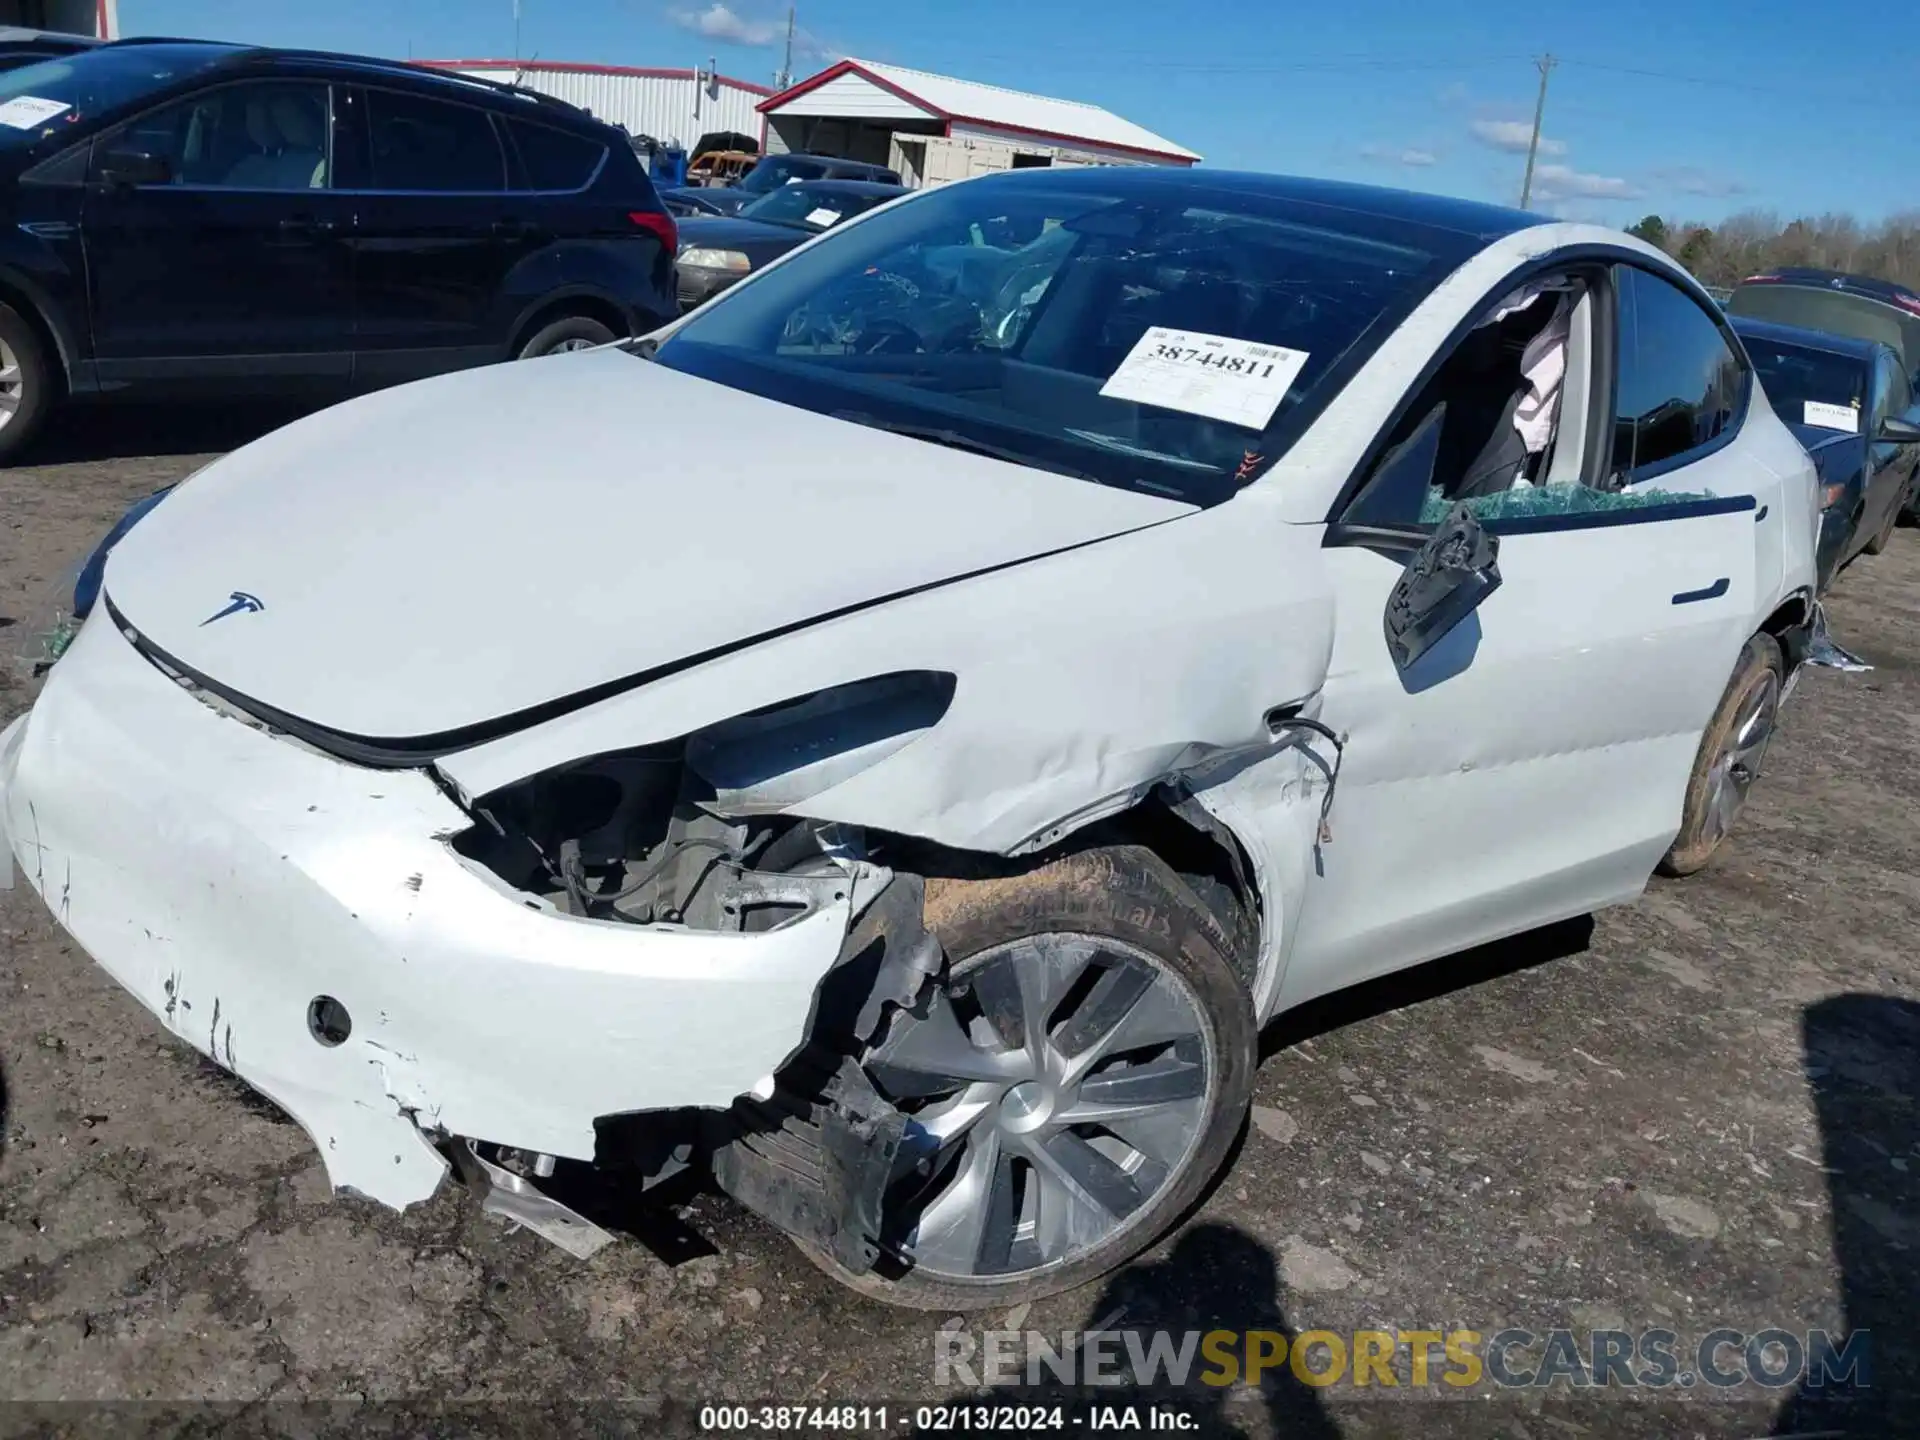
(43, 98)
(1809, 387)
(1172, 339)
(809, 207)
(1836, 311)
(776, 170)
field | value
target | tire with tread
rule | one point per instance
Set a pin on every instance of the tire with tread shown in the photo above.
(1692, 848)
(557, 332)
(36, 383)
(1128, 893)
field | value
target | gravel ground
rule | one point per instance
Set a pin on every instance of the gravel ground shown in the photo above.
(1695, 1113)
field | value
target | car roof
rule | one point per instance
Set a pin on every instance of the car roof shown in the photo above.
(1801, 338)
(518, 98)
(825, 159)
(1868, 285)
(850, 187)
(1458, 227)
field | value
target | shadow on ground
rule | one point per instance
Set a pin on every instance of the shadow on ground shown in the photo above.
(1427, 982)
(84, 433)
(1863, 1066)
(1215, 1277)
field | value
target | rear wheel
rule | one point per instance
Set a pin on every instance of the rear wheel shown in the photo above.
(26, 383)
(1730, 754)
(569, 332)
(1072, 1083)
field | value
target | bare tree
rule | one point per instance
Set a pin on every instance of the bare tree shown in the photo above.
(1753, 241)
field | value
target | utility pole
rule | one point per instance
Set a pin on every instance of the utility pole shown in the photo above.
(1545, 65)
(786, 69)
(516, 29)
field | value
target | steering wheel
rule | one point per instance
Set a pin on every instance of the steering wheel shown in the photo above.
(888, 337)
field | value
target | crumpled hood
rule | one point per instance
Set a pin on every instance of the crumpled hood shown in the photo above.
(455, 551)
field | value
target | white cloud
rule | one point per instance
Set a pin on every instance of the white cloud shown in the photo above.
(717, 22)
(1558, 180)
(1412, 158)
(1513, 136)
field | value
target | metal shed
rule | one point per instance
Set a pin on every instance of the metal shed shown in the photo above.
(99, 18)
(669, 105)
(934, 128)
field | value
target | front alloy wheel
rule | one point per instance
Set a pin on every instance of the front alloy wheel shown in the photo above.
(1070, 1087)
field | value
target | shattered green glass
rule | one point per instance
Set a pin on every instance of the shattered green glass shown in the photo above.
(1551, 500)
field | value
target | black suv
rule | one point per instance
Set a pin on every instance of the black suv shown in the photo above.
(218, 217)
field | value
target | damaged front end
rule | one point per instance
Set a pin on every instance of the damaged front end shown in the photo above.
(692, 833)
(584, 969)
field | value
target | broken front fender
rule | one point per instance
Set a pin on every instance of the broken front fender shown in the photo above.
(305, 923)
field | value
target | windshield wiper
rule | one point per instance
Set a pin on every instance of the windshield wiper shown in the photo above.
(954, 440)
(1141, 452)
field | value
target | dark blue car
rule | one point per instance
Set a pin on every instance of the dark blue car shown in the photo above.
(1851, 404)
(190, 216)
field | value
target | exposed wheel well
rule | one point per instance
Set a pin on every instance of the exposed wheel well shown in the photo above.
(1788, 625)
(591, 306)
(1200, 851)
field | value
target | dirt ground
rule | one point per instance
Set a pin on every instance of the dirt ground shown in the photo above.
(1696, 1113)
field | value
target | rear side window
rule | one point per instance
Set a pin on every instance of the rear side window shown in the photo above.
(552, 159)
(1680, 384)
(422, 144)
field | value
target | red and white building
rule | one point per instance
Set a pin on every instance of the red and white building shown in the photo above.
(934, 128)
(100, 18)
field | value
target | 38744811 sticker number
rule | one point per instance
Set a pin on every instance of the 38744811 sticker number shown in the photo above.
(1239, 381)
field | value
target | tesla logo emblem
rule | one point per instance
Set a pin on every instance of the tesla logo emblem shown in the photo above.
(238, 603)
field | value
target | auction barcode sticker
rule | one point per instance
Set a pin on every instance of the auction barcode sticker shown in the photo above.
(1831, 417)
(1237, 381)
(23, 112)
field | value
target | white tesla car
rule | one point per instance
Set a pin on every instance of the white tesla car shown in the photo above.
(1133, 603)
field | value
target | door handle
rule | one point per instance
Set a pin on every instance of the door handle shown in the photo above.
(305, 227)
(1712, 592)
(513, 229)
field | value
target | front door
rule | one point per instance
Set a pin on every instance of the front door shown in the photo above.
(1532, 765)
(436, 237)
(215, 242)
(1890, 467)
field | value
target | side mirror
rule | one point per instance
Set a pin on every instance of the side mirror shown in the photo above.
(1898, 432)
(124, 169)
(1443, 584)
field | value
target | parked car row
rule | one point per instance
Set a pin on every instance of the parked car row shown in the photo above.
(219, 218)
(1150, 600)
(1840, 358)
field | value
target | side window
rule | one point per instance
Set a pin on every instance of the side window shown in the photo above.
(1890, 393)
(552, 159)
(260, 135)
(1680, 385)
(1502, 422)
(434, 145)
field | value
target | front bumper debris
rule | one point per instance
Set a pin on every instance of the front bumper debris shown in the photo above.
(305, 924)
(1823, 651)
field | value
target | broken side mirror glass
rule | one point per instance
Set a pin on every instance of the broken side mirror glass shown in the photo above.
(1443, 584)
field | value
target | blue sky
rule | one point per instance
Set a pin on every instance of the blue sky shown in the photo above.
(1694, 108)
